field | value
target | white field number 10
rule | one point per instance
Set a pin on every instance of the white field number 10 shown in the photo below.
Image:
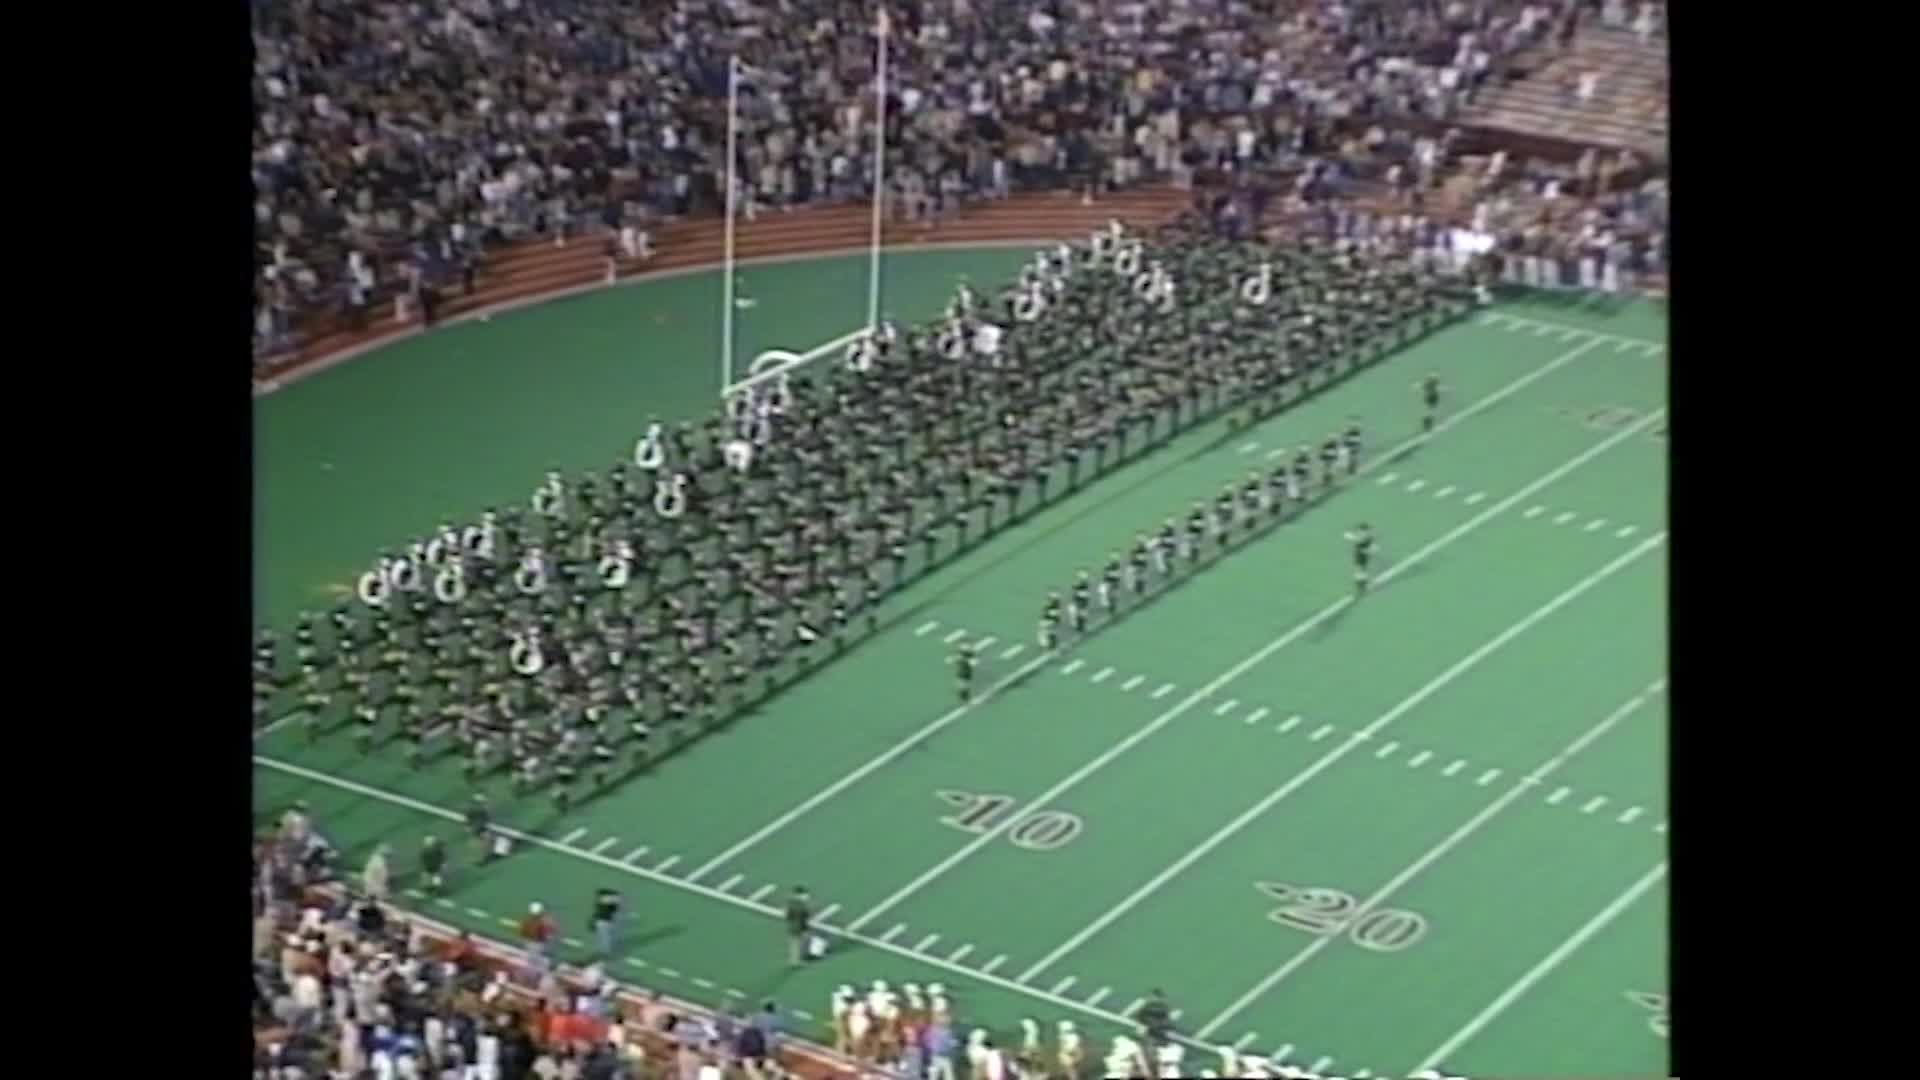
(1043, 830)
(1326, 912)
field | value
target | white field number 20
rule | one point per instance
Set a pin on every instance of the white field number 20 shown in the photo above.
(1326, 912)
(1043, 830)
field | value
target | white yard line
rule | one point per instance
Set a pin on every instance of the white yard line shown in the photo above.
(1440, 850)
(1544, 968)
(887, 756)
(1326, 761)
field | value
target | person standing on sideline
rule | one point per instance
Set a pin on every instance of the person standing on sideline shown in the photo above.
(606, 911)
(479, 821)
(376, 876)
(1157, 1020)
(799, 921)
(433, 864)
(536, 931)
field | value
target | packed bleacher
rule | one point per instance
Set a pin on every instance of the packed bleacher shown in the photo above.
(395, 145)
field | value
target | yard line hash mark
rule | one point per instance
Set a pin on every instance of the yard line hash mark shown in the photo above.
(574, 835)
(604, 845)
(955, 636)
(926, 628)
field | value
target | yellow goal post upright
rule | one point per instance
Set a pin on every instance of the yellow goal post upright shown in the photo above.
(766, 376)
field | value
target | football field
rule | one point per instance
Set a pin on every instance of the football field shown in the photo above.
(1426, 826)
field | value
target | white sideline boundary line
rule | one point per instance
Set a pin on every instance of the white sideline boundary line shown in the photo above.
(1546, 966)
(886, 756)
(1258, 656)
(275, 384)
(1472, 825)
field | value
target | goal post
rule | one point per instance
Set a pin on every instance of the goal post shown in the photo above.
(774, 364)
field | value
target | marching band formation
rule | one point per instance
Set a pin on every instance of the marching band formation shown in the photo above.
(618, 616)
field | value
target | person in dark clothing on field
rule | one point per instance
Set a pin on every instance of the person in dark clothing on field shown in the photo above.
(799, 920)
(1156, 1019)
(606, 912)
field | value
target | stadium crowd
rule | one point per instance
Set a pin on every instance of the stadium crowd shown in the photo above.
(398, 142)
(347, 987)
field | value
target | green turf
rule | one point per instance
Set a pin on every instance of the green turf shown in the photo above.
(571, 382)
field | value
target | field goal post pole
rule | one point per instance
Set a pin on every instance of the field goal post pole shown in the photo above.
(726, 261)
(881, 31)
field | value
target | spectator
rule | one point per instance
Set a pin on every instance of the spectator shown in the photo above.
(375, 877)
